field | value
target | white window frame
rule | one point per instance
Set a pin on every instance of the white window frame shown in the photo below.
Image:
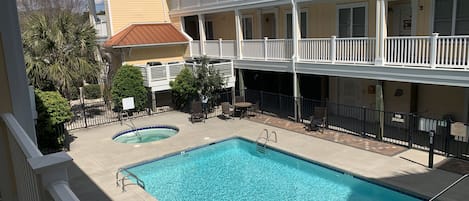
(252, 26)
(351, 6)
(303, 10)
(453, 17)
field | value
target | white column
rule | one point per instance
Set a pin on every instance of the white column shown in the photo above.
(239, 35)
(296, 35)
(381, 31)
(201, 19)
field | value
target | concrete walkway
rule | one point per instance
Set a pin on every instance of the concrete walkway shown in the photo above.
(97, 157)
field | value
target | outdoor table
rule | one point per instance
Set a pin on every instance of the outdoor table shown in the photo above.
(243, 107)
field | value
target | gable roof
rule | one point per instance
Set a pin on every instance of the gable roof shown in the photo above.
(139, 35)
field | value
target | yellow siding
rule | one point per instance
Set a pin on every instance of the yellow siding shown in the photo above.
(5, 101)
(176, 21)
(281, 21)
(161, 54)
(125, 12)
(256, 32)
(321, 20)
(223, 25)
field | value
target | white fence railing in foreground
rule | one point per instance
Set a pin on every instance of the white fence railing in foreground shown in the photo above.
(36, 175)
(408, 50)
(452, 51)
(315, 49)
(355, 50)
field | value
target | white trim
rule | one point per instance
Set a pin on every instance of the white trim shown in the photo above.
(110, 17)
(351, 6)
(150, 45)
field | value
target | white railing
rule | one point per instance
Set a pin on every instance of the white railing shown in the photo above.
(429, 51)
(212, 48)
(452, 51)
(253, 49)
(279, 49)
(195, 48)
(225, 69)
(413, 50)
(183, 4)
(35, 173)
(355, 50)
(315, 49)
(228, 48)
(175, 69)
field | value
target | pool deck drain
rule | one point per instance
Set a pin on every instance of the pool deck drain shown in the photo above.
(97, 157)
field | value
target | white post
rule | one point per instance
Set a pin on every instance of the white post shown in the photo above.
(190, 48)
(148, 70)
(433, 49)
(295, 30)
(381, 32)
(201, 18)
(239, 35)
(333, 49)
(168, 76)
(265, 48)
(220, 47)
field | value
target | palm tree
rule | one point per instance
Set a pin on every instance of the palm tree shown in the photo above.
(59, 51)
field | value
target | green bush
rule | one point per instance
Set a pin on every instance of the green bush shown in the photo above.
(53, 110)
(183, 88)
(92, 91)
(128, 82)
(74, 93)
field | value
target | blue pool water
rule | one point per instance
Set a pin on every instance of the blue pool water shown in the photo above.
(234, 170)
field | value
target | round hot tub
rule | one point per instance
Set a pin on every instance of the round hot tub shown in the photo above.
(145, 134)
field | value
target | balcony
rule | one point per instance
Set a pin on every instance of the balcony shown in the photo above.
(37, 176)
(158, 77)
(442, 52)
(186, 5)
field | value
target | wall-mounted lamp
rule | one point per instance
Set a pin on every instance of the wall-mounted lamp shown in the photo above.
(398, 92)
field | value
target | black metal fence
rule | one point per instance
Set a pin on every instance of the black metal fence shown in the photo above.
(399, 128)
(98, 113)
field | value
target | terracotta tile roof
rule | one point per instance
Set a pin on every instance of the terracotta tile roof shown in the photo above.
(146, 35)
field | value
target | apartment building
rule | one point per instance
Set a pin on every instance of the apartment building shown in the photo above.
(393, 55)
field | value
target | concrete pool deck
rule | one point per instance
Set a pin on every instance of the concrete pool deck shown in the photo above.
(97, 157)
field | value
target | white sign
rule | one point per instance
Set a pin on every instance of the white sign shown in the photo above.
(128, 103)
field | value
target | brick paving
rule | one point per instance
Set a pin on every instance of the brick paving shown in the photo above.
(334, 136)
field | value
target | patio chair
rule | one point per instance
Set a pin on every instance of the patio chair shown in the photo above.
(197, 113)
(226, 109)
(317, 122)
(253, 109)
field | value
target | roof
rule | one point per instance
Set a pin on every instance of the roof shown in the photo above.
(138, 35)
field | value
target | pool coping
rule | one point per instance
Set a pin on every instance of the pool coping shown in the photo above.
(283, 151)
(123, 132)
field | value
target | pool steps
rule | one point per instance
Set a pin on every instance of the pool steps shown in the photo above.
(263, 139)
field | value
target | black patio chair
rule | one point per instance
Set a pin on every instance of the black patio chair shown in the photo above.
(197, 113)
(317, 122)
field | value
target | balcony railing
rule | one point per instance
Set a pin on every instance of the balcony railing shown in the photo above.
(417, 51)
(37, 176)
(159, 76)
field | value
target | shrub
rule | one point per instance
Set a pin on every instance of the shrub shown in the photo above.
(53, 110)
(74, 93)
(128, 82)
(92, 91)
(183, 88)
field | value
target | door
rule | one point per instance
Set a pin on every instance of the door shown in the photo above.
(269, 25)
(402, 20)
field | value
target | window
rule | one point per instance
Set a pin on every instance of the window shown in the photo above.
(352, 22)
(451, 17)
(247, 27)
(209, 30)
(303, 25)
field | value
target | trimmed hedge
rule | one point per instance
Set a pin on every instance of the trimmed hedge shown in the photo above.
(92, 91)
(128, 82)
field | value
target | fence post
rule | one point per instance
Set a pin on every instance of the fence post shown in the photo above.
(261, 103)
(364, 122)
(433, 49)
(431, 151)
(447, 136)
(333, 49)
(265, 48)
(84, 114)
(410, 128)
(220, 47)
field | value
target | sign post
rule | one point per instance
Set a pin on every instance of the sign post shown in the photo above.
(127, 104)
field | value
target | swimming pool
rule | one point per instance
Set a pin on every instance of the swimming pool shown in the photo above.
(234, 170)
(145, 134)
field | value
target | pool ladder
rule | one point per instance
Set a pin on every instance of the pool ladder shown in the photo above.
(126, 175)
(263, 139)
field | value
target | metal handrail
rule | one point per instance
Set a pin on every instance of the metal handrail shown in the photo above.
(128, 174)
(448, 187)
(275, 134)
